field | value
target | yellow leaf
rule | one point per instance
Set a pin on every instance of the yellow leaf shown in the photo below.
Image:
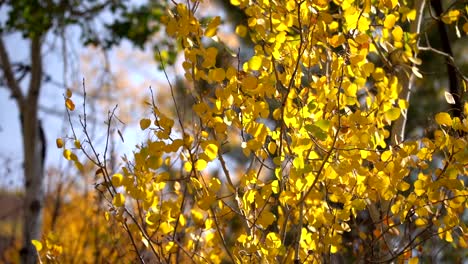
(241, 30)
(249, 197)
(451, 16)
(413, 261)
(217, 75)
(68, 93)
(59, 143)
(443, 119)
(448, 237)
(386, 155)
(213, 27)
(67, 154)
(337, 40)
(255, 63)
(390, 21)
(145, 123)
(275, 186)
(266, 219)
(77, 144)
(37, 244)
(211, 150)
(392, 114)
(250, 82)
(206, 202)
(465, 27)
(198, 216)
(117, 179)
(188, 166)
(200, 164)
(397, 33)
(403, 186)
(272, 240)
(119, 200)
(420, 222)
(215, 184)
(69, 104)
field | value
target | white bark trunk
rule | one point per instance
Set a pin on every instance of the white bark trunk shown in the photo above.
(33, 145)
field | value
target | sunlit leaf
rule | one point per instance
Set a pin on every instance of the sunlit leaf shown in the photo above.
(213, 27)
(392, 114)
(69, 104)
(200, 164)
(443, 119)
(37, 244)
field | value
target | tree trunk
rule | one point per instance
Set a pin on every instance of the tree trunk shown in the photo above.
(33, 145)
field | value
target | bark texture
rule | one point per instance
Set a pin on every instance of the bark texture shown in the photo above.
(33, 144)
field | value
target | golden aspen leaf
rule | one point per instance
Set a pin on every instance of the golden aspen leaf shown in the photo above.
(420, 222)
(198, 216)
(392, 114)
(448, 237)
(403, 186)
(275, 186)
(117, 179)
(368, 68)
(249, 197)
(397, 33)
(451, 16)
(217, 75)
(443, 119)
(119, 200)
(59, 143)
(272, 147)
(463, 243)
(465, 27)
(390, 21)
(206, 202)
(337, 40)
(266, 219)
(255, 63)
(386, 155)
(77, 144)
(68, 93)
(358, 204)
(200, 164)
(37, 244)
(235, 2)
(280, 37)
(273, 240)
(241, 30)
(250, 82)
(69, 104)
(145, 123)
(413, 261)
(214, 185)
(213, 27)
(67, 154)
(211, 150)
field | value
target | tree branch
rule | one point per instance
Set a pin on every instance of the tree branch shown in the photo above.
(9, 76)
(36, 69)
